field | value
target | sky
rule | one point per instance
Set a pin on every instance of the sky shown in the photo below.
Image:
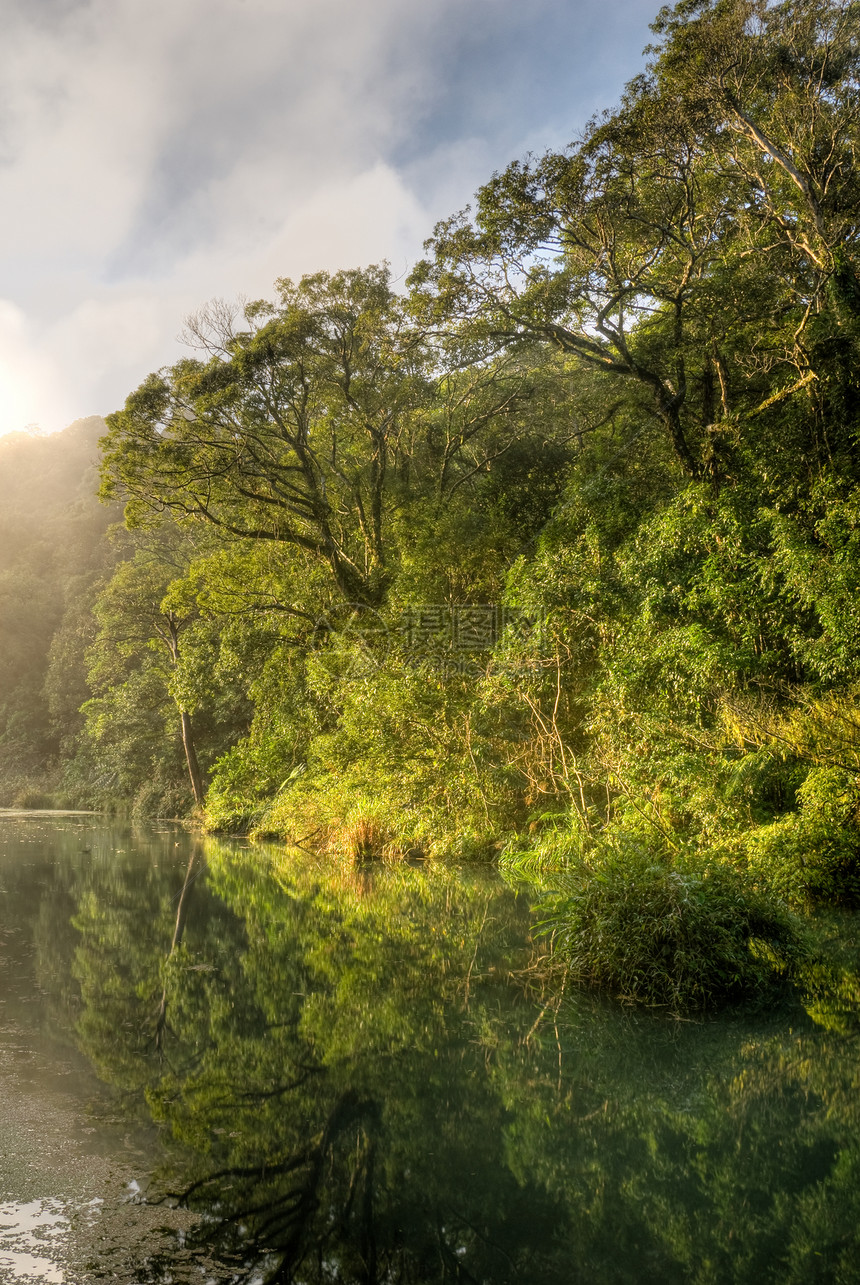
(156, 154)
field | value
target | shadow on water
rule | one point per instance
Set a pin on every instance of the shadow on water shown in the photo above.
(357, 1078)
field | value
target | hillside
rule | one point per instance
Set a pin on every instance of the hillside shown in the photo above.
(53, 553)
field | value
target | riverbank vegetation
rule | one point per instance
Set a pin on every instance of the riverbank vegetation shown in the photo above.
(552, 555)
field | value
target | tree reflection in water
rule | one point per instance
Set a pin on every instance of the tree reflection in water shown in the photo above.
(357, 1082)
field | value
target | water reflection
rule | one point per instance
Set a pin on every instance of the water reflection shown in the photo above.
(319, 1057)
(357, 1078)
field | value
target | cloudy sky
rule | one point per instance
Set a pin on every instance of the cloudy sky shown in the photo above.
(157, 153)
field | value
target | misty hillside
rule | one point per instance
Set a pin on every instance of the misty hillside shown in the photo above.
(53, 552)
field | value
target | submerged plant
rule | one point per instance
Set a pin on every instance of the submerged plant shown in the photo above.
(678, 933)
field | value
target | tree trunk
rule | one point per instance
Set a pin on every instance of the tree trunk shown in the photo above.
(191, 759)
(178, 929)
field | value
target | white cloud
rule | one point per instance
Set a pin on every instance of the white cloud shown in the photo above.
(152, 156)
(109, 342)
(23, 369)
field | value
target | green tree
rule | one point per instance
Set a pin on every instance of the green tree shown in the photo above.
(291, 429)
(698, 244)
(162, 664)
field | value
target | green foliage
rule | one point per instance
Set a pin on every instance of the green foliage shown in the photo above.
(668, 931)
(553, 846)
(813, 855)
(620, 399)
(402, 753)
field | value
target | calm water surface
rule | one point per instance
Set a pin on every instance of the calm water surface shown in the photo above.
(220, 1064)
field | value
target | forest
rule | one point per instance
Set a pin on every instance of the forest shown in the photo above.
(548, 557)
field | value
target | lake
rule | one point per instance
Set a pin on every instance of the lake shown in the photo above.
(223, 1063)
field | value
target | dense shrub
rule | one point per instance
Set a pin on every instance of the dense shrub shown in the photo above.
(32, 798)
(161, 797)
(676, 933)
(813, 855)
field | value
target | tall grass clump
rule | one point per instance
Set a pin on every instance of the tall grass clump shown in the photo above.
(668, 931)
(554, 843)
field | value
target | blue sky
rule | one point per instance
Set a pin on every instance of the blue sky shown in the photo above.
(157, 153)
